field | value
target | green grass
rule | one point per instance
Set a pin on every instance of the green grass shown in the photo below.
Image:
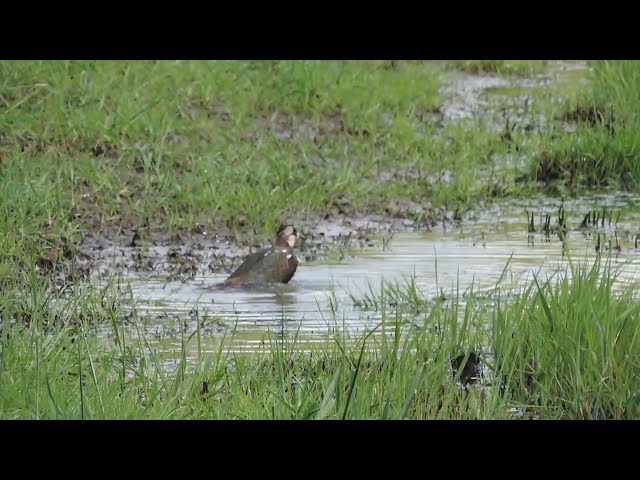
(238, 143)
(568, 348)
(603, 151)
(243, 145)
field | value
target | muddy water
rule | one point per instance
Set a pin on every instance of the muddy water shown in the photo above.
(318, 299)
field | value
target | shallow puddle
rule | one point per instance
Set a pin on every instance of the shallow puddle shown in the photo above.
(318, 299)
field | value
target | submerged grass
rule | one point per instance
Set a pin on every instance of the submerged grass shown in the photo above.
(563, 348)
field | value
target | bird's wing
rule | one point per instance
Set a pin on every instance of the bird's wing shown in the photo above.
(249, 262)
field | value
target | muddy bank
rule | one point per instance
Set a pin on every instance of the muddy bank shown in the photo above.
(182, 255)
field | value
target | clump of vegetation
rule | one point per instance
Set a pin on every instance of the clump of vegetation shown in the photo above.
(565, 348)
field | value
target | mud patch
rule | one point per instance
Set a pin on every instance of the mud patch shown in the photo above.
(467, 95)
(63, 264)
(183, 255)
(31, 145)
(496, 99)
(291, 127)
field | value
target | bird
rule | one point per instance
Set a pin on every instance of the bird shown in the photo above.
(275, 264)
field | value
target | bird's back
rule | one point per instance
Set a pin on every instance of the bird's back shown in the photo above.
(275, 264)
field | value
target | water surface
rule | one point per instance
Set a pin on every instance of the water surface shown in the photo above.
(319, 299)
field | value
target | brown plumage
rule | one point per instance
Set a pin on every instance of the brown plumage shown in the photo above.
(276, 264)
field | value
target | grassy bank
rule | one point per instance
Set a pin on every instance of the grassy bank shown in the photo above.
(602, 148)
(234, 144)
(563, 348)
(101, 146)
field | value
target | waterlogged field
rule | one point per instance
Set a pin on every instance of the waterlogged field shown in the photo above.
(469, 239)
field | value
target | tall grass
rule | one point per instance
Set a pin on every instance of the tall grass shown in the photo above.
(567, 348)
